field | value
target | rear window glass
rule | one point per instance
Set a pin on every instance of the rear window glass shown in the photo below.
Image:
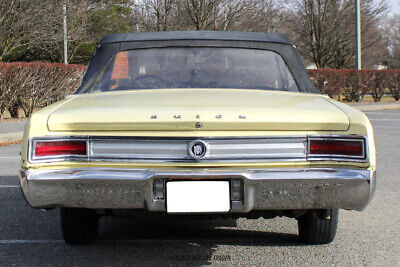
(196, 67)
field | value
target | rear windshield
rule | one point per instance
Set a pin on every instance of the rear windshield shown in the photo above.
(195, 67)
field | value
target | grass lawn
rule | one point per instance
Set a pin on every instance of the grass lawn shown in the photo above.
(385, 99)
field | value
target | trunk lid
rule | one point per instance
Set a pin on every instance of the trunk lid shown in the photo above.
(181, 109)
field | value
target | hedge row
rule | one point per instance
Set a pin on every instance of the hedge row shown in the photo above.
(353, 85)
(28, 86)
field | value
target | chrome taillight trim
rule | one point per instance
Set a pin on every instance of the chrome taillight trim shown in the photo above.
(332, 157)
(278, 140)
(32, 150)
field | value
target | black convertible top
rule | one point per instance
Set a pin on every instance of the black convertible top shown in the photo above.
(110, 45)
(197, 35)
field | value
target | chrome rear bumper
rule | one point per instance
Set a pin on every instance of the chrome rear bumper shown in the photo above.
(262, 189)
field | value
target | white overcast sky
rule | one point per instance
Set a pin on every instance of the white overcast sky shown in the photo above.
(395, 6)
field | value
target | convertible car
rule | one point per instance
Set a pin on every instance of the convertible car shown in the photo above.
(198, 124)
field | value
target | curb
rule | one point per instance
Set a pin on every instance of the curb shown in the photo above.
(373, 107)
(11, 137)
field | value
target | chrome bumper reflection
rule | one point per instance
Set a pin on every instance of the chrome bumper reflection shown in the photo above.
(263, 189)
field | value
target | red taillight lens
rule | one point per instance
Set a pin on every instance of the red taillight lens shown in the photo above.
(337, 147)
(59, 148)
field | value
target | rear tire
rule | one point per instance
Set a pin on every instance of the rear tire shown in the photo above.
(318, 227)
(79, 226)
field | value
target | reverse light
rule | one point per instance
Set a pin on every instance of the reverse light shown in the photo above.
(326, 147)
(59, 148)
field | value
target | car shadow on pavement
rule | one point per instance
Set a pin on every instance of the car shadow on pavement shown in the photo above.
(176, 241)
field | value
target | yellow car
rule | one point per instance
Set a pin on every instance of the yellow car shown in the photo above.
(198, 123)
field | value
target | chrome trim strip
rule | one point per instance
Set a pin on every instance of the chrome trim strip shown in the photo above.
(138, 149)
(229, 149)
(145, 173)
(298, 143)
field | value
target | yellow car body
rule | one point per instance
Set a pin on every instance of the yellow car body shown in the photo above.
(129, 114)
(198, 122)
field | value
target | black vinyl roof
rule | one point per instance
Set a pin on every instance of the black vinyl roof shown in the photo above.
(110, 45)
(196, 35)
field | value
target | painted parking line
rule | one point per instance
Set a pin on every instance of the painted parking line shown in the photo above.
(379, 119)
(384, 119)
(129, 241)
(386, 127)
(22, 241)
(383, 115)
(111, 241)
(9, 186)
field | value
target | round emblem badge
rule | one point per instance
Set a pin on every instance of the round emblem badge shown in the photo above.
(198, 149)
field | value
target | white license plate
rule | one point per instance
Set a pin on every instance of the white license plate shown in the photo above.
(198, 196)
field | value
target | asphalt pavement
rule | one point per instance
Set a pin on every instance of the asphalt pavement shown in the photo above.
(12, 126)
(31, 237)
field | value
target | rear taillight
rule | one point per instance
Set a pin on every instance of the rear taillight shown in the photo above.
(59, 148)
(326, 147)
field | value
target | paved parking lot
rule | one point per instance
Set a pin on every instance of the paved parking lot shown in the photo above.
(372, 237)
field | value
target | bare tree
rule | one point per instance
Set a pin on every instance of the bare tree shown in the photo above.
(157, 14)
(214, 14)
(261, 16)
(392, 31)
(18, 24)
(315, 24)
(230, 15)
(161, 15)
(324, 30)
(50, 28)
(88, 21)
(200, 14)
